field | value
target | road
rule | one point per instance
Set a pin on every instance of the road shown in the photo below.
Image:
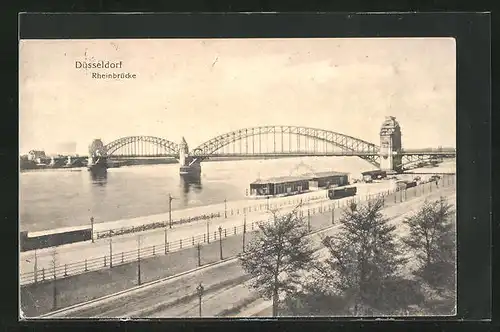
(263, 308)
(217, 303)
(70, 258)
(224, 283)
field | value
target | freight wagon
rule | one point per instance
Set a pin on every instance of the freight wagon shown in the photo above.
(402, 185)
(338, 193)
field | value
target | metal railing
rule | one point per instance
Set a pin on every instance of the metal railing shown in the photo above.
(124, 257)
(226, 213)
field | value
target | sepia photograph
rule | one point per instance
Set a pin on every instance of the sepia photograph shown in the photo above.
(237, 178)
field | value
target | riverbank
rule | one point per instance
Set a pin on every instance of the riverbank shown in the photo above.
(230, 208)
(38, 299)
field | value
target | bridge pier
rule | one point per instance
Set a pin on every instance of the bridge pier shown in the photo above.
(97, 156)
(188, 164)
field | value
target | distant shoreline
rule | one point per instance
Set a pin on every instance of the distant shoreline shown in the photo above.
(32, 166)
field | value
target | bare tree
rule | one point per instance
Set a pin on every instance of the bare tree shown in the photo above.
(277, 255)
(364, 260)
(432, 239)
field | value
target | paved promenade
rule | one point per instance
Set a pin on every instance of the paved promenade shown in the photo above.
(71, 259)
(225, 284)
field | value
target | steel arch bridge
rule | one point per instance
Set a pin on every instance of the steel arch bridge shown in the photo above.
(276, 141)
(140, 146)
(416, 156)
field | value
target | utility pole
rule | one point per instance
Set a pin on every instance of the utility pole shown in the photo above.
(138, 259)
(225, 208)
(92, 228)
(110, 250)
(220, 241)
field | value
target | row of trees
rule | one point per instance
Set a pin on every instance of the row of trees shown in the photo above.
(364, 269)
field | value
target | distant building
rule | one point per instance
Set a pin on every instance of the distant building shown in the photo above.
(36, 155)
(289, 185)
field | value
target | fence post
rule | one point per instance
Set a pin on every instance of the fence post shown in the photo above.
(43, 274)
(153, 250)
(65, 270)
(225, 232)
(122, 256)
(105, 261)
(234, 230)
(180, 243)
(86, 269)
(193, 240)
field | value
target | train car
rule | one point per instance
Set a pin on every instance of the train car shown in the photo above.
(403, 185)
(341, 192)
(411, 184)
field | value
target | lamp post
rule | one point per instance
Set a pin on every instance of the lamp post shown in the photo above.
(309, 220)
(92, 228)
(199, 254)
(138, 259)
(220, 241)
(244, 229)
(199, 290)
(110, 250)
(166, 240)
(54, 288)
(35, 272)
(225, 208)
(170, 198)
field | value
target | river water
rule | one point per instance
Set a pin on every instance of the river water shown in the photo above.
(61, 198)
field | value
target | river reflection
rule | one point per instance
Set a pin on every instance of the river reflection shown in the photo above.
(189, 184)
(99, 177)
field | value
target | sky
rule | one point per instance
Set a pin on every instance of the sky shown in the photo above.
(201, 88)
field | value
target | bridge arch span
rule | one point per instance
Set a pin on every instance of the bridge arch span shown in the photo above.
(164, 146)
(413, 160)
(287, 140)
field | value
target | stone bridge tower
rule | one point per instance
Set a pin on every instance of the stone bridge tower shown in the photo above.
(97, 153)
(390, 145)
(183, 152)
(188, 164)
